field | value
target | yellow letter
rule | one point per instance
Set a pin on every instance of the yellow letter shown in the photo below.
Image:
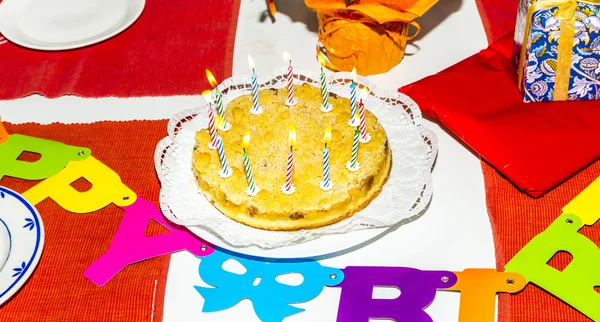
(106, 188)
(587, 204)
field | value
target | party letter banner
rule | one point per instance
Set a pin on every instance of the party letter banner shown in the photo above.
(575, 284)
(260, 284)
(417, 291)
(478, 288)
(54, 156)
(587, 204)
(106, 188)
(130, 245)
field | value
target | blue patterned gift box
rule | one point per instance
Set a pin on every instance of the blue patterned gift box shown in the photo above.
(557, 50)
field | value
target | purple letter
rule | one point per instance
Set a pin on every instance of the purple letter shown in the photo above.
(417, 290)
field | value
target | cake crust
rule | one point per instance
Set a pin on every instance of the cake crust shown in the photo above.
(309, 206)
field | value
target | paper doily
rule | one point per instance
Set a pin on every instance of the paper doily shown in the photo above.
(405, 195)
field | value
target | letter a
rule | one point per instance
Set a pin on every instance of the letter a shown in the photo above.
(575, 284)
(130, 245)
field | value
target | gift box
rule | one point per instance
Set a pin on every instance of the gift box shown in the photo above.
(557, 50)
(370, 35)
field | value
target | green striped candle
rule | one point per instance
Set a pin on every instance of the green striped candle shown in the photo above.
(353, 164)
(325, 107)
(252, 188)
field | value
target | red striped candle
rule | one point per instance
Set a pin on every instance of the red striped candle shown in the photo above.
(288, 187)
(364, 136)
(291, 100)
(212, 129)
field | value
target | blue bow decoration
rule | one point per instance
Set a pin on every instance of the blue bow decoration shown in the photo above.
(270, 299)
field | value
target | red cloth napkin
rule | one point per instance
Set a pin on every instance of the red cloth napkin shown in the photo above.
(163, 53)
(535, 145)
(498, 17)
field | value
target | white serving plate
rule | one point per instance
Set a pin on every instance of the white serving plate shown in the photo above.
(65, 24)
(403, 198)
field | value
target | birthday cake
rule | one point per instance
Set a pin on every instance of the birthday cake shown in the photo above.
(312, 201)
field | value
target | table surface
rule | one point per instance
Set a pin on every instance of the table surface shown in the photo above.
(453, 234)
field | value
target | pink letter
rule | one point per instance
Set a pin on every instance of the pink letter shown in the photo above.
(130, 245)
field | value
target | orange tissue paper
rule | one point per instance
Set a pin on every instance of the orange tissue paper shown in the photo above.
(370, 35)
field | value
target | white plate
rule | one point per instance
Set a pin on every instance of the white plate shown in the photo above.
(324, 246)
(65, 24)
(22, 225)
(403, 198)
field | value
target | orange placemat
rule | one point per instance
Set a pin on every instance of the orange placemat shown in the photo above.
(58, 291)
(516, 218)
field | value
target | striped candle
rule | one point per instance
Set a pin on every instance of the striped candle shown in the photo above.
(364, 136)
(325, 107)
(353, 164)
(212, 128)
(353, 118)
(324, 92)
(352, 101)
(256, 109)
(220, 107)
(288, 186)
(291, 100)
(252, 188)
(289, 171)
(326, 183)
(224, 126)
(225, 169)
(249, 176)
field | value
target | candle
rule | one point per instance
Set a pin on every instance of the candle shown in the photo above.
(325, 107)
(353, 164)
(220, 108)
(212, 129)
(326, 183)
(353, 119)
(288, 187)
(364, 136)
(252, 188)
(226, 171)
(256, 109)
(291, 100)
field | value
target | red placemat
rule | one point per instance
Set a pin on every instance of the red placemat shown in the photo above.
(57, 290)
(163, 53)
(516, 218)
(535, 145)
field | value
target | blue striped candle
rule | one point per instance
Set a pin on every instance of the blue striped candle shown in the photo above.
(225, 169)
(353, 119)
(326, 183)
(353, 100)
(256, 109)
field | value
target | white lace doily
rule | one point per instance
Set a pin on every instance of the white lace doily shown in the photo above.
(406, 193)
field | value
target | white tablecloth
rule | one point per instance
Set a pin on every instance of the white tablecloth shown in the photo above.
(453, 234)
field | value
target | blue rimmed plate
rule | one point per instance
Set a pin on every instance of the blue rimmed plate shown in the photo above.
(21, 241)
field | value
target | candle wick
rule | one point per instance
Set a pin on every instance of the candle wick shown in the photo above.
(291, 149)
(244, 150)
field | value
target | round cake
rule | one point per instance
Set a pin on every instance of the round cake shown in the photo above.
(309, 206)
